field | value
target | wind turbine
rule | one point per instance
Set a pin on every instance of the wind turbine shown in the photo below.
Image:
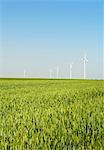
(57, 72)
(85, 60)
(24, 73)
(50, 73)
(71, 70)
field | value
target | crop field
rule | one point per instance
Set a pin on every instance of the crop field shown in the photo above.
(38, 114)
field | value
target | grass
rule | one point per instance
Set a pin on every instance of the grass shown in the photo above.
(46, 114)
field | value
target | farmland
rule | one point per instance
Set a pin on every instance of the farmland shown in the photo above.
(38, 114)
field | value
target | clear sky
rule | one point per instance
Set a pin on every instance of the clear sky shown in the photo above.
(41, 35)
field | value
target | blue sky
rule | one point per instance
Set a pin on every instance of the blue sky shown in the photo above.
(41, 35)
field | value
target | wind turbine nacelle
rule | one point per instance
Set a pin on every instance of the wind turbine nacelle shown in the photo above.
(85, 59)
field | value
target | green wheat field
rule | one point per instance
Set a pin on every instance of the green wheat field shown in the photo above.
(39, 114)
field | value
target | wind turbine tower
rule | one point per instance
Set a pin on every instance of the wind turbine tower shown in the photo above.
(24, 73)
(50, 73)
(57, 72)
(71, 70)
(85, 60)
